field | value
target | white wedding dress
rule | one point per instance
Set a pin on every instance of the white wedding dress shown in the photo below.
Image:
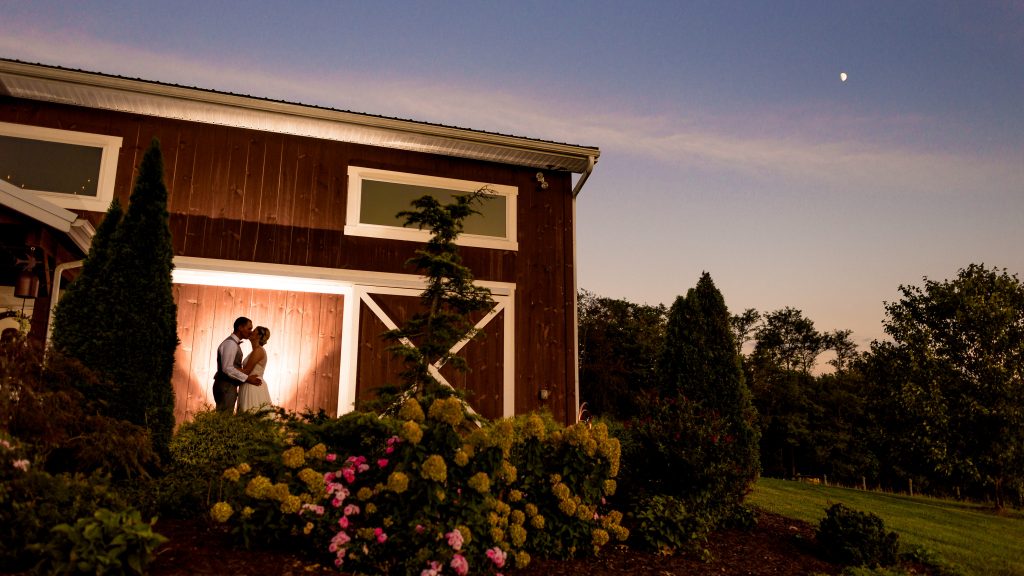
(252, 398)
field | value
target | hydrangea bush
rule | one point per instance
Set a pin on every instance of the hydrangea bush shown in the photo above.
(432, 492)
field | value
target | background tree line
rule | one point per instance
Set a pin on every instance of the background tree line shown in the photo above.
(940, 403)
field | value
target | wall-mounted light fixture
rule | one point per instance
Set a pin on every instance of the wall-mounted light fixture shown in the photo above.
(541, 181)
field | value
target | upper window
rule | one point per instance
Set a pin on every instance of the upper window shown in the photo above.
(375, 197)
(72, 169)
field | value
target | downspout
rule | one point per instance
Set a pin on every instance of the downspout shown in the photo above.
(575, 287)
(58, 273)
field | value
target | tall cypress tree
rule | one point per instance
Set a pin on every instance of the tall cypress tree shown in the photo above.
(700, 363)
(83, 313)
(139, 274)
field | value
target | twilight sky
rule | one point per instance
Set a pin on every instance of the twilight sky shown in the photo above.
(728, 142)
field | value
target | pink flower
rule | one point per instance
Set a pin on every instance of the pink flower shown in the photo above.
(351, 510)
(497, 556)
(454, 539)
(460, 565)
(379, 534)
(363, 467)
(336, 502)
(21, 465)
(343, 522)
(338, 562)
(331, 457)
(349, 475)
(329, 478)
(382, 462)
(420, 528)
(389, 449)
(433, 570)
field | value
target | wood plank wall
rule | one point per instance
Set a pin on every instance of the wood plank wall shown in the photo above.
(261, 197)
(303, 353)
(483, 384)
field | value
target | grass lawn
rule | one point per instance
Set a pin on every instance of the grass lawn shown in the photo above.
(969, 536)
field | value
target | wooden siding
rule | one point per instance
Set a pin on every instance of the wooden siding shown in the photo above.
(483, 384)
(303, 353)
(245, 195)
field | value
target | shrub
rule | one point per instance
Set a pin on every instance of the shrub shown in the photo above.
(856, 538)
(33, 501)
(213, 440)
(43, 406)
(200, 451)
(106, 543)
(430, 490)
(674, 448)
(664, 524)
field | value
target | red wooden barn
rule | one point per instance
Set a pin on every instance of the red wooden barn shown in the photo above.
(285, 213)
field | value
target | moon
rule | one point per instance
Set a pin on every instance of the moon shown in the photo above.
(842, 76)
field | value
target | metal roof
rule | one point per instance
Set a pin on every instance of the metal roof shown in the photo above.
(96, 90)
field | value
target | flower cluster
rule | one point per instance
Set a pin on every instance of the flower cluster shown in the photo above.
(423, 496)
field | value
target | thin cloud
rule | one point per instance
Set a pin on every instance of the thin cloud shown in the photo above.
(796, 151)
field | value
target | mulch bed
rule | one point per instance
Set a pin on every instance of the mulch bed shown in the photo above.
(778, 546)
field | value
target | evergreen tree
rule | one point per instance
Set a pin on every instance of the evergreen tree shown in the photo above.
(146, 315)
(701, 365)
(449, 299)
(83, 313)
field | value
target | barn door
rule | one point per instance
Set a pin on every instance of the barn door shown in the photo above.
(487, 384)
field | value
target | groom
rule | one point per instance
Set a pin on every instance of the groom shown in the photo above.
(229, 367)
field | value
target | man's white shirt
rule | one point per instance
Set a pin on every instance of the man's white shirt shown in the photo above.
(228, 350)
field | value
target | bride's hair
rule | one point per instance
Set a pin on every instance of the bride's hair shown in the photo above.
(264, 334)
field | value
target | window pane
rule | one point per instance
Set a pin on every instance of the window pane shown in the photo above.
(381, 201)
(50, 166)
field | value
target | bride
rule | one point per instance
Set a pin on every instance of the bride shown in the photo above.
(255, 397)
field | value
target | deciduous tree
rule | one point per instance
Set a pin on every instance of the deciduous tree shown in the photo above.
(960, 347)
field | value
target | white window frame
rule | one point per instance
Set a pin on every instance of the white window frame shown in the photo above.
(111, 146)
(353, 227)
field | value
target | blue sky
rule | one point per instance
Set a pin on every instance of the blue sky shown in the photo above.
(728, 142)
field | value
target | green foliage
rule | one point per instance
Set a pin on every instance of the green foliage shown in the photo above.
(954, 379)
(32, 501)
(83, 320)
(119, 318)
(393, 502)
(696, 440)
(664, 524)
(619, 345)
(854, 538)
(676, 448)
(45, 407)
(213, 440)
(107, 543)
(449, 299)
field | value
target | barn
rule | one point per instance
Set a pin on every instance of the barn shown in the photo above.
(285, 213)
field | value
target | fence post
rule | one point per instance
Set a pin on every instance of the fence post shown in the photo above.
(910, 484)
(864, 483)
(825, 479)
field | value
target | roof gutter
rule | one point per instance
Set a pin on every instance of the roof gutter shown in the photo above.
(583, 179)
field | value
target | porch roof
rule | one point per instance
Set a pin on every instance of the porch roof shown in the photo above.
(32, 205)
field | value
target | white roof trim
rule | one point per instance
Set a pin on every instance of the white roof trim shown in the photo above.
(32, 205)
(37, 82)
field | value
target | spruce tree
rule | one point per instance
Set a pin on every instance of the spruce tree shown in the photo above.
(146, 315)
(449, 299)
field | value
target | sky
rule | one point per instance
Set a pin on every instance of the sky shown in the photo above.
(728, 142)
